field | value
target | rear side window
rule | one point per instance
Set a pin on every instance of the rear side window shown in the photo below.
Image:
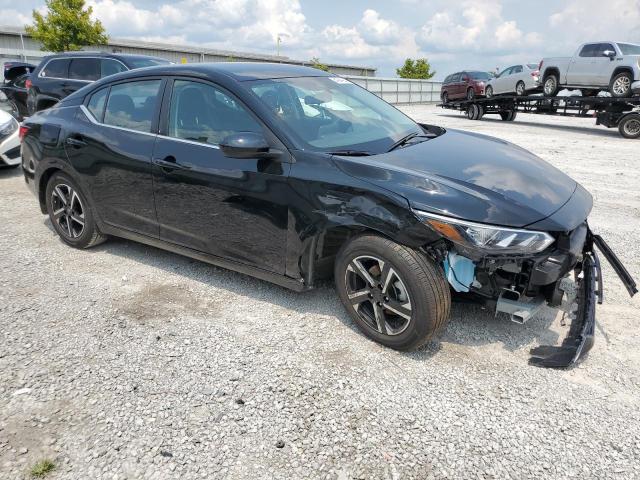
(589, 50)
(109, 66)
(56, 68)
(517, 69)
(87, 69)
(132, 105)
(97, 102)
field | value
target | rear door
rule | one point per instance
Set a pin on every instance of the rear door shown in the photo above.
(582, 67)
(82, 71)
(53, 78)
(501, 83)
(455, 88)
(111, 147)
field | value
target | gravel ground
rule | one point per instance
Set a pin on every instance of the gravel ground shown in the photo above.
(126, 361)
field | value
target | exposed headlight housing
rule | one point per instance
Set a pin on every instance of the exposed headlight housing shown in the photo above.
(489, 238)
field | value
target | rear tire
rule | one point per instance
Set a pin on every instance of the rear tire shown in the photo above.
(620, 85)
(399, 278)
(550, 85)
(71, 214)
(629, 126)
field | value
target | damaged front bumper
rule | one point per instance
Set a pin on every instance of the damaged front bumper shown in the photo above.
(580, 338)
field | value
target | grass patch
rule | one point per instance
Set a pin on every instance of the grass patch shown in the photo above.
(42, 468)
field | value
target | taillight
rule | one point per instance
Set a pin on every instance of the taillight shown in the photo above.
(535, 73)
(28, 84)
(23, 132)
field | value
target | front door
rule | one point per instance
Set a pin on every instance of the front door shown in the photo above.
(112, 150)
(582, 67)
(228, 207)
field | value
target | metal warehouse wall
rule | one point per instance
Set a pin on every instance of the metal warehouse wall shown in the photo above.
(400, 90)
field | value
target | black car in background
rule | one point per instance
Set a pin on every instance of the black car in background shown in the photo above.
(14, 87)
(60, 75)
(294, 175)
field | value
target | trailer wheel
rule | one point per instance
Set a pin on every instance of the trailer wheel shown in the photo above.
(620, 85)
(472, 112)
(629, 126)
(508, 116)
(550, 86)
(480, 112)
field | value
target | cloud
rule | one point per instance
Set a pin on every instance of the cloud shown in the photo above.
(478, 25)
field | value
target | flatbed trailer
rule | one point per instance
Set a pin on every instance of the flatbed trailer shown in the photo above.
(623, 113)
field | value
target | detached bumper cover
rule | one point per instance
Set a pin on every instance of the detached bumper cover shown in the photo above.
(580, 338)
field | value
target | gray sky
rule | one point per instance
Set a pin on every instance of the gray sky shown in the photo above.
(453, 35)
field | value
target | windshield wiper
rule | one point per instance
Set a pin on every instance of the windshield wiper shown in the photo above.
(406, 138)
(351, 153)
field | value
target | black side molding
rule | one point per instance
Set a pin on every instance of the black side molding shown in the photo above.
(615, 262)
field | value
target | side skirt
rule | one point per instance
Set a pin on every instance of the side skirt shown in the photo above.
(281, 280)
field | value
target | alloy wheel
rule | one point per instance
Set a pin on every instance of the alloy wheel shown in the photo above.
(489, 92)
(621, 85)
(520, 89)
(550, 85)
(68, 211)
(378, 295)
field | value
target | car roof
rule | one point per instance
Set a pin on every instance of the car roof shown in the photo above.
(84, 53)
(239, 71)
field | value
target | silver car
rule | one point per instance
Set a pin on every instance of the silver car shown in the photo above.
(519, 79)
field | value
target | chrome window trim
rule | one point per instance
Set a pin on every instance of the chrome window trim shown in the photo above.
(93, 120)
(40, 75)
(215, 146)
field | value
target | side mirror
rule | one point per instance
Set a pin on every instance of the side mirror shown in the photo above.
(247, 145)
(609, 53)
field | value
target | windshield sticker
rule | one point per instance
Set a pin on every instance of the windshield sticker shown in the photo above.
(339, 80)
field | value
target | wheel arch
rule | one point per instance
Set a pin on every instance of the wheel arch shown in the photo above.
(42, 186)
(622, 69)
(551, 71)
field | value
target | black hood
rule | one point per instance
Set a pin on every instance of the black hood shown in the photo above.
(469, 176)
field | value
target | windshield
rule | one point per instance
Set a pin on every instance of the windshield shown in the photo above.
(629, 49)
(146, 62)
(479, 75)
(330, 113)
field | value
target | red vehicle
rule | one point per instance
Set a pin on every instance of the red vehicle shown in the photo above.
(465, 84)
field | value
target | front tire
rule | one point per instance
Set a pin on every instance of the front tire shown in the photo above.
(489, 91)
(445, 98)
(471, 94)
(396, 295)
(620, 85)
(70, 213)
(521, 89)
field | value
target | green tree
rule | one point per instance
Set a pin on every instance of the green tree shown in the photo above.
(315, 63)
(419, 68)
(66, 26)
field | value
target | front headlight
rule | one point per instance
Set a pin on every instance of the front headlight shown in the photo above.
(9, 127)
(489, 238)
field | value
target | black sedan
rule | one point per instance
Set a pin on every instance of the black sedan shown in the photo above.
(293, 175)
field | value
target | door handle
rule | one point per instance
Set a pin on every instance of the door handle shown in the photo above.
(75, 142)
(169, 163)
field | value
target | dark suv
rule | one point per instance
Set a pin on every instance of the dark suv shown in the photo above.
(58, 76)
(466, 84)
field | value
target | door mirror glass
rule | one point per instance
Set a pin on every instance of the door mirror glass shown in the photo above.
(609, 53)
(245, 145)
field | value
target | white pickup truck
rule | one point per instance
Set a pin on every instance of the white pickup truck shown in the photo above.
(610, 66)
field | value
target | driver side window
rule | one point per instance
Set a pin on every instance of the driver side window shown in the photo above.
(203, 113)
